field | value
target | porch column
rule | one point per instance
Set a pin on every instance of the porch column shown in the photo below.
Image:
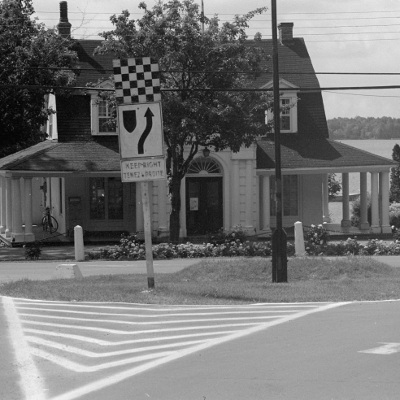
(29, 236)
(266, 204)
(249, 195)
(345, 201)
(182, 214)
(235, 194)
(325, 199)
(384, 183)
(162, 208)
(8, 208)
(139, 209)
(2, 204)
(17, 233)
(375, 203)
(364, 225)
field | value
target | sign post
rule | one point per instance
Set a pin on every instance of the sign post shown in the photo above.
(138, 95)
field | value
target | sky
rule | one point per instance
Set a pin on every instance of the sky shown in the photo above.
(353, 36)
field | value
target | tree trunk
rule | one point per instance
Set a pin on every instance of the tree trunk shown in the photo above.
(174, 219)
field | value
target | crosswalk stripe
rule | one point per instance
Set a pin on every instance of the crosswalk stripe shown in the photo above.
(145, 323)
(153, 316)
(119, 332)
(73, 366)
(100, 342)
(91, 354)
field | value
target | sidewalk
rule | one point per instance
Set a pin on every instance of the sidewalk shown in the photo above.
(60, 253)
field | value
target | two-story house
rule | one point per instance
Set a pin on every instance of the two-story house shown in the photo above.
(76, 171)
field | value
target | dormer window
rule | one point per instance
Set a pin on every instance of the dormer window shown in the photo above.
(106, 117)
(285, 115)
(288, 102)
(103, 114)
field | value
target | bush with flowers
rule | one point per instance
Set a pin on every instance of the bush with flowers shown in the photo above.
(130, 248)
(316, 243)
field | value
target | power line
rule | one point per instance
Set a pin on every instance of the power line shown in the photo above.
(302, 90)
(78, 69)
(362, 94)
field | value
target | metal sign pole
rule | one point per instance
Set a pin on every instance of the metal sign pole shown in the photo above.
(147, 234)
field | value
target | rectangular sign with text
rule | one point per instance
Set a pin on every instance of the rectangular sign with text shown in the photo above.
(145, 169)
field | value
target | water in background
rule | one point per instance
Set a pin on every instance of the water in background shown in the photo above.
(381, 148)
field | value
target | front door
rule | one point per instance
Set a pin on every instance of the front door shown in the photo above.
(203, 205)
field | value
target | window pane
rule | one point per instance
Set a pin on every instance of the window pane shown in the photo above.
(106, 123)
(285, 115)
(97, 198)
(115, 199)
(285, 123)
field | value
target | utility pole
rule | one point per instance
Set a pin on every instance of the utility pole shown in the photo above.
(279, 237)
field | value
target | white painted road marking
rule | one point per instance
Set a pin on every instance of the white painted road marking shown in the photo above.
(385, 349)
(150, 336)
(31, 382)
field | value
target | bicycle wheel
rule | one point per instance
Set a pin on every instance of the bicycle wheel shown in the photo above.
(45, 225)
(53, 224)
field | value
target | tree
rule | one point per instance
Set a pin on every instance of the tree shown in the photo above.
(195, 61)
(334, 186)
(31, 58)
(395, 176)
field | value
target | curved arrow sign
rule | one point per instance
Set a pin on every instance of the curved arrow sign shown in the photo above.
(140, 130)
(149, 124)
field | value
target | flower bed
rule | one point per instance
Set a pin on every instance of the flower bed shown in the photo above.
(316, 244)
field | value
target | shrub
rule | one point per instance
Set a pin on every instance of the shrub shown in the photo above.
(316, 235)
(222, 236)
(394, 214)
(32, 250)
(356, 212)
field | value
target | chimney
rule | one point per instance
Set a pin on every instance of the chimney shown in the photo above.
(286, 32)
(64, 27)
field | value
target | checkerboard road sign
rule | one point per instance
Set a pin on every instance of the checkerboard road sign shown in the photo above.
(137, 80)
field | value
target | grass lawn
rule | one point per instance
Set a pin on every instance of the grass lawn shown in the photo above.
(233, 281)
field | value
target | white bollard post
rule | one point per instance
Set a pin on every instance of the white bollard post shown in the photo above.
(79, 247)
(299, 248)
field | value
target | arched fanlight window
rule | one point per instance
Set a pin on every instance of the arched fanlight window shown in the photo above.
(204, 165)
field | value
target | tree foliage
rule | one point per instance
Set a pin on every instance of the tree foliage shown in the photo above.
(195, 62)
(334, 186)
(364, 128)
(30, 55)
(395, 176)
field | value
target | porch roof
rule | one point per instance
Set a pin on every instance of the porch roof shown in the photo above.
(78, 156)
(300, 152)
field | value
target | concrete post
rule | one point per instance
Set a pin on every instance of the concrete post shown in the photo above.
(299, 247)
(79, 246)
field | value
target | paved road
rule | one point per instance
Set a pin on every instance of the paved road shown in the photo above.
(65, 351)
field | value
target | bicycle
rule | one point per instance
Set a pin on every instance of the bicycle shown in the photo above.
(49, 223)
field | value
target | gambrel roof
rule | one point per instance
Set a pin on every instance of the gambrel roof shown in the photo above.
(302, 153)
(77, 150)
